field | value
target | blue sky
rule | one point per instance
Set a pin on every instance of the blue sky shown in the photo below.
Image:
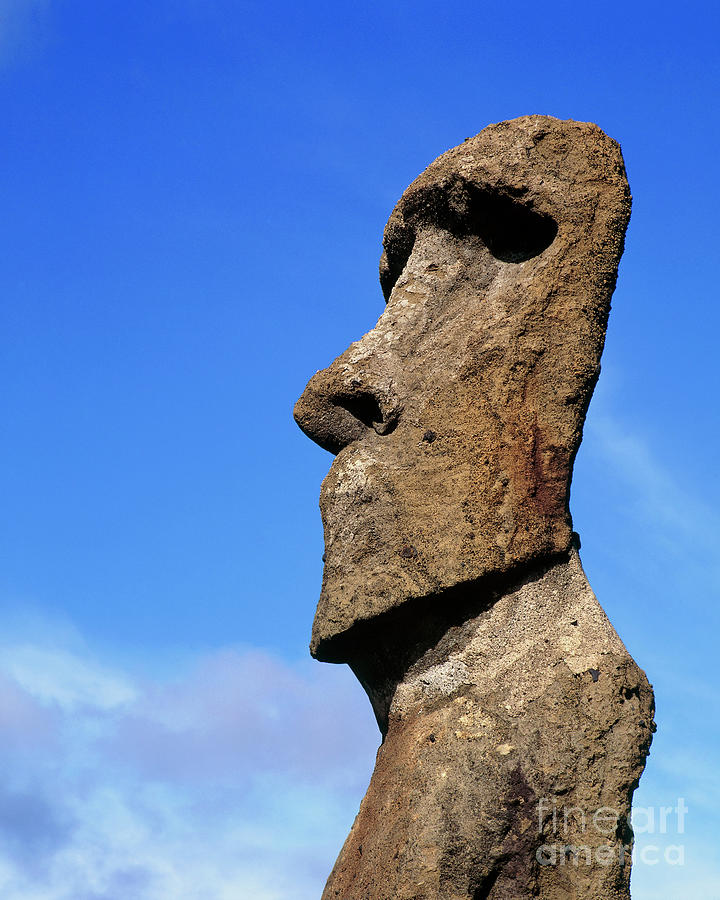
(193, 197)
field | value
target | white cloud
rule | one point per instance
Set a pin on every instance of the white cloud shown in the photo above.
(25, 723)
(57, 676)
(237, 778)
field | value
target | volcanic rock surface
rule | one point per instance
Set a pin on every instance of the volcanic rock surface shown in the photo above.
(515, 724)
(513, 745)
(457, 418)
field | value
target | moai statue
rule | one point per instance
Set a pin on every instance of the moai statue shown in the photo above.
(515, 724)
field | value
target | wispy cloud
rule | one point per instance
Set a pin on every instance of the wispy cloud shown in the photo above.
(59, 677)
(238, 777)
(659, 499)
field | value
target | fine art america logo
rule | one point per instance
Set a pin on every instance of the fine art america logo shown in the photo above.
(605, 836)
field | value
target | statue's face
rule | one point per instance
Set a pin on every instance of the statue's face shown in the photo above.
(456, 419)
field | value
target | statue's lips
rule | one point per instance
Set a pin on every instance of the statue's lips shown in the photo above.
(353, 477)
(380, 467)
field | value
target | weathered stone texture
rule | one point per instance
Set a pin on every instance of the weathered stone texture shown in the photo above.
(457, 418)
(452, 584)
(526, 710)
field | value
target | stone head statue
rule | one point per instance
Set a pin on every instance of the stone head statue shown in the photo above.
(456, 420)
(451, 585)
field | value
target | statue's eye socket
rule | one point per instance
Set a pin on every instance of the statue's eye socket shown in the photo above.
(512, 231)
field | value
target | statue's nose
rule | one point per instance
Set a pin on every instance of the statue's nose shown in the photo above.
(345, 403)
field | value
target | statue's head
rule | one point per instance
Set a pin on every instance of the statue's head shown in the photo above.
(456, 420)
